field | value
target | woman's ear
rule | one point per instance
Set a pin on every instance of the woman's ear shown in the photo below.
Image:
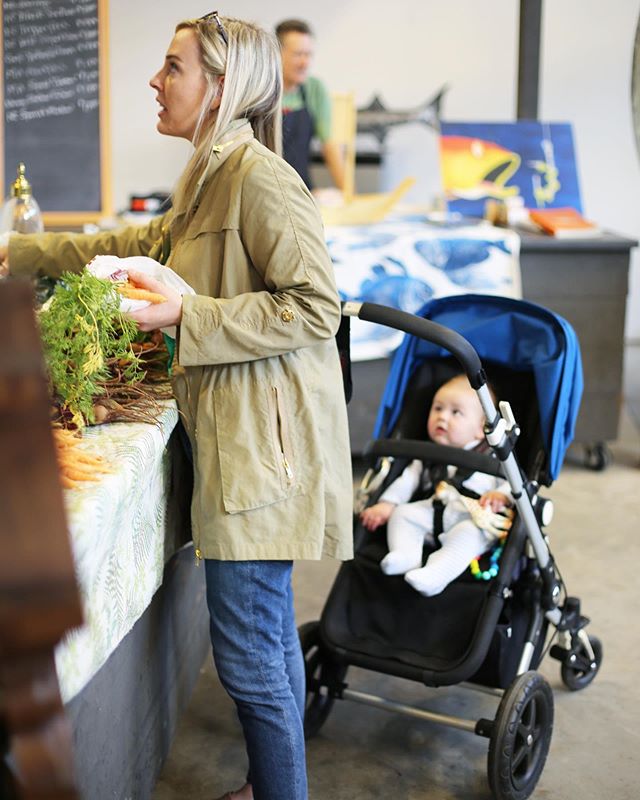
(215, 103)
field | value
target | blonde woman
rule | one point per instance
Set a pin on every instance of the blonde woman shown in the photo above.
(257, 378)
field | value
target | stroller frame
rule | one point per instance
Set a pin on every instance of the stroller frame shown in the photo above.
(518, 742)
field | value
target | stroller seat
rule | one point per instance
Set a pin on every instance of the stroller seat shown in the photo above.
(465, 633)
(383, 618)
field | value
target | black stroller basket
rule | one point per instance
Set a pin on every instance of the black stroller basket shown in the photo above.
(487, 635)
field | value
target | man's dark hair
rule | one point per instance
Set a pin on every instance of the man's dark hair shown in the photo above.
(292, 26)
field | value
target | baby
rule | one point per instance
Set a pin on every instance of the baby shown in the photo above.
(455, 419)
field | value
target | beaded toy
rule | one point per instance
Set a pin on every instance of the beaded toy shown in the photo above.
(487, 574)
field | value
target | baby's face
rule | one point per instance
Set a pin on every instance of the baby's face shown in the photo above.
(456, 417)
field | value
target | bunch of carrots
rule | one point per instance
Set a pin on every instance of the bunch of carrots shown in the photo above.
(133, 292)
(76, 465)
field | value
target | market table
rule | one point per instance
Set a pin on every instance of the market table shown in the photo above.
(126, 674)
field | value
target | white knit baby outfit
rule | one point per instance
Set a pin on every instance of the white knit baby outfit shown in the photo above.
(411, 525)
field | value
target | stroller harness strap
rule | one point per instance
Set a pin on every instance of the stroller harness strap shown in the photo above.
(438, 506)
(434, 474)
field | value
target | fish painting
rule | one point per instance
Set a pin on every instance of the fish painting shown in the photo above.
(531, 161)
(376, 118)
(473, 168)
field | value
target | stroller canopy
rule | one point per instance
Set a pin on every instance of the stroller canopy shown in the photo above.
(515, 334)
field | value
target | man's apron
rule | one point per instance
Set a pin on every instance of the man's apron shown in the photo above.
(297, 132)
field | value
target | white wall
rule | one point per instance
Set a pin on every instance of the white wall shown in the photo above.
(405, 50)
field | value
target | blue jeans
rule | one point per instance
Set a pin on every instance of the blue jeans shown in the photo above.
(257, 654)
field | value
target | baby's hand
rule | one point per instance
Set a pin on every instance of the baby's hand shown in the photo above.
(375, 516)
(495, 500)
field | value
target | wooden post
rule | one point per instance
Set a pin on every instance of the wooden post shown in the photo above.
(343, 123)
(38, 594)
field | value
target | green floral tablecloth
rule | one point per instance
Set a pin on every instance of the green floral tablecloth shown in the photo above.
(117, 529)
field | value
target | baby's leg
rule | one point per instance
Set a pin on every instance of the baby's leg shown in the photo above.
(406, 531)
(462, 543)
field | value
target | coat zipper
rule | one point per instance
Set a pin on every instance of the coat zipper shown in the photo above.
(195, 428)
(282, 436)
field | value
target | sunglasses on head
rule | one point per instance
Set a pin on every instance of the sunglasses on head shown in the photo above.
(212, 16)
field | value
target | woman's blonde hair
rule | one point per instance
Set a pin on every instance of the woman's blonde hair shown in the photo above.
(249, 59)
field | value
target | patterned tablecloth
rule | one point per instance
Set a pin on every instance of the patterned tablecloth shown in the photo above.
(406, 260)
(117, 529)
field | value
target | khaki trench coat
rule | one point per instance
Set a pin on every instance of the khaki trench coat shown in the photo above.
(257, 378)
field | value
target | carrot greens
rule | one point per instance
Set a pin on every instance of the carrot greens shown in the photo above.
(86, 338)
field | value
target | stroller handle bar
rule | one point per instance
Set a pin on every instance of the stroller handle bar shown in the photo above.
(456, 344)
(436, 453)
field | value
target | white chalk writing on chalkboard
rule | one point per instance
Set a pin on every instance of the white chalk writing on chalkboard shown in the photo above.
(51, 86)
(43, 36)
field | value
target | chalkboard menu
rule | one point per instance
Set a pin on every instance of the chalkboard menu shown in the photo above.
(54, 88)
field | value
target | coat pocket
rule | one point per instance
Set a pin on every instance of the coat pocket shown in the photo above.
(257, 463)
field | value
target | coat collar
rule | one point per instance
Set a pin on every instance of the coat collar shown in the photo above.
(238, 133)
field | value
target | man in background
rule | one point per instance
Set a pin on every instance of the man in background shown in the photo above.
(306, 105)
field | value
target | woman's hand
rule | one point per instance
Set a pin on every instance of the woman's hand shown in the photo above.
(159, 315)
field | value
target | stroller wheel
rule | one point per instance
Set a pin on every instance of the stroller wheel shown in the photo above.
(323, 677)
(520, 738)
(597, 456)
(578, 668)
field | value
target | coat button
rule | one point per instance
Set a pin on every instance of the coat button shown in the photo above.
(287, 315)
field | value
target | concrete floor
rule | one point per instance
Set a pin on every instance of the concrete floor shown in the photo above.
(363, 752)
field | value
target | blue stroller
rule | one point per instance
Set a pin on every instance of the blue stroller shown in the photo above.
(486, 634)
